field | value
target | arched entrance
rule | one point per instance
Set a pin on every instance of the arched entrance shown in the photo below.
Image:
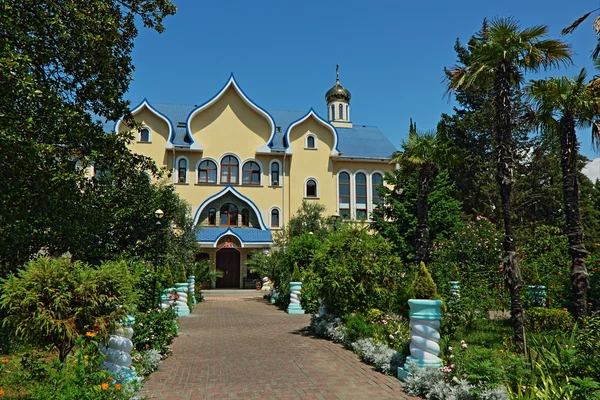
(228, 261)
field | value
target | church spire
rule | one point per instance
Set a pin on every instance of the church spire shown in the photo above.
(338, 103)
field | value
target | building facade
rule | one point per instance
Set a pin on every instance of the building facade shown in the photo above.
(245, 170)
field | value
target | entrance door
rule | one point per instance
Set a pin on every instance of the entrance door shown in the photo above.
(228, 261)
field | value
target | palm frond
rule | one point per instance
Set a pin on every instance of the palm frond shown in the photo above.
(596, 135)
(576, 23)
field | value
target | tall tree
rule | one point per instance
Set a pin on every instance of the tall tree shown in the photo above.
(422, 151)
(60, 61)
(561, 105)
(503, 57)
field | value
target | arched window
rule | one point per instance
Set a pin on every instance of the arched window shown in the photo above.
(245, 217)
(376, 182)
(275, 173)
(251, 173)
(332, 112)
(212, 217)
(310, 142)
(347, 113)
(341, 111)
(229, 170)
(144, 134)
(207, 172)
(311, 188)
(344, 194)
(182, 170)
(360, 180)
(229, 215)
(274, 218)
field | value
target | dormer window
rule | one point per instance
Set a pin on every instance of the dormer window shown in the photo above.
(311, 142)
(145, 134)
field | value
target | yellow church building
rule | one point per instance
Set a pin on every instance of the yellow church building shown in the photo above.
(246, 170)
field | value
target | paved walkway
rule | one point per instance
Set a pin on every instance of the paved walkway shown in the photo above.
(235, 345)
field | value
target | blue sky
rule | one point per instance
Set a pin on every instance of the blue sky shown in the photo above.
(283, 53)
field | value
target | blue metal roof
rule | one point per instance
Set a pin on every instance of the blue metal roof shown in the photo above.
(360, 141)
(246, 235)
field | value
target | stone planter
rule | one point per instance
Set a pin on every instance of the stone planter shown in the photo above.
(192, 288)
(425, 318)
(537, 294)
(181, 302)
(118, 352)
(295, 307)
(167, 298)
(454, 289)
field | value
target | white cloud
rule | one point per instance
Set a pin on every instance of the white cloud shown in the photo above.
(592, 169)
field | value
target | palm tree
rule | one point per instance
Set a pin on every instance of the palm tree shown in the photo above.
(422, 152)
(503, 54)
(561, 104)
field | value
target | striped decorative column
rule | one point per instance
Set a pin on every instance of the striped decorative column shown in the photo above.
(181, 301)
(295, 307)
(425, 318)
(118, 352)
(192, 288)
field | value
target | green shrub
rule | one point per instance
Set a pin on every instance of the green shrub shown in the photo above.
(539, 319)
(311, 284)
(423, 286)
(155, 329)
(357, 327)
(358, 271)
(54, 301)
(296, 277)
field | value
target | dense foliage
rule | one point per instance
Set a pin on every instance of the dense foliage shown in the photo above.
(52, 302)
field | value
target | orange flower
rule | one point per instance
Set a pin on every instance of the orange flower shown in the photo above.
(5, 360)
(90, 334)
(105, 386)
(118, 386)
(147, 345)
(1, 392)
(110, 378)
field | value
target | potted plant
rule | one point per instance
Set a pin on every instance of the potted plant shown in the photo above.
(295, 288)
(425, 315)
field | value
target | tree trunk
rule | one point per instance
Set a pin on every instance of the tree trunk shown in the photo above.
(577, 251)
(505, 179)
(422, 231)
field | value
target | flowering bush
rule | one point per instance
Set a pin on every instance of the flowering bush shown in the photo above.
(539, 319)
(476, 251)
(40, 375)
(155, 329)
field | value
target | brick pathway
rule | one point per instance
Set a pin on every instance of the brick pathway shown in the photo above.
(242, 347)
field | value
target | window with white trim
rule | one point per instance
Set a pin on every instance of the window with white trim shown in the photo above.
(275, 223)
(360, 181)
(182, 170)
(274, 174)
(376, 183)
(207, 172)
(341, 111)
(144, 134)
(251, 173)
(332, 112)
(344, 194)
(311, 188)
(229, 169)
(311, 142)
